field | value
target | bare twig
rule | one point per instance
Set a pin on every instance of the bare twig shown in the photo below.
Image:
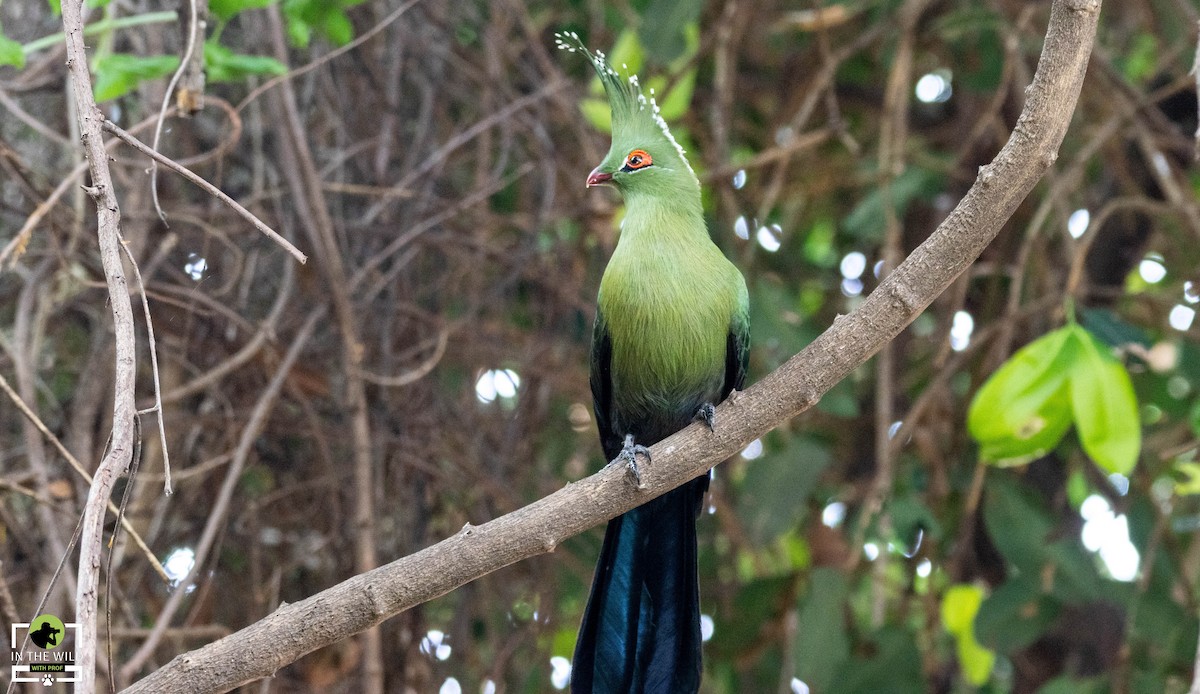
(15, 247)
(78, 466)
(195, 28)
(62, 564)
(33, 123)
(367, 599)
(158, 408)
(893, 135)
(120, 446)
(314, 216)
(293, 74)
(208, 188)
(220, 507)
(416, 373)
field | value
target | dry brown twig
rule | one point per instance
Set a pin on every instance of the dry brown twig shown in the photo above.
(16, 245)
(108, 229)
(367, 599)
(212, 528)
(91, 125)
(302, 178)
(195, 28)
(207, 187)
(158, 408)
(78, 467)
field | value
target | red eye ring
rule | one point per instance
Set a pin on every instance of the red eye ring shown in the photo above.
(637, 159)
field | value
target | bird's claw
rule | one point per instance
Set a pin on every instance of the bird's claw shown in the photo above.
(628, 455)
(708, 414)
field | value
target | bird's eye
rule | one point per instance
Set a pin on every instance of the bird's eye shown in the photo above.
(637, 159)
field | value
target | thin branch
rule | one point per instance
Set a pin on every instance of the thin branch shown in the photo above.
(82, 472)
(366, 36)
(416, 373)
(193, 29)
(33, 123)
(16, 246)
(220, 507)
(108, 229)
(367, 599)
(206, 186)
(102, 26)
(58, 571)
(158, 408)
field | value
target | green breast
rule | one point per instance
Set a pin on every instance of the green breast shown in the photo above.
(668, 314)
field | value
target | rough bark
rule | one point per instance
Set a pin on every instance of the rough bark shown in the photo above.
(120, 448)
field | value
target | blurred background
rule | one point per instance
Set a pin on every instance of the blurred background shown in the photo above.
(431, 161)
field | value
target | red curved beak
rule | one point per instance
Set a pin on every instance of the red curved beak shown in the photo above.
(597, 178)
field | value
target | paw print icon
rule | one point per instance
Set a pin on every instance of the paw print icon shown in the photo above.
(47, 680)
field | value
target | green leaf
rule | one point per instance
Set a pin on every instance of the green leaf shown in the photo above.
(597, 112)
(299, 33)
(821, 645)
(1014, 615)
(664, 27)
(223, 65)
(228, 9)
(867, 220)
(959, 607)
(772, 496)
(756, 603)
(1075, 577)
(1066, 684)
(627, 56)
(56, 5)
(337, 28)
(1111, 329)
(912, 522)
(677, 101)
(10, 52)
(327, 18)
(1140, 62)
(894, 666)
(1104, 406)
(1017, 523)
(117, 74)
(1187, 478)
(1024, 409)
(819, 244)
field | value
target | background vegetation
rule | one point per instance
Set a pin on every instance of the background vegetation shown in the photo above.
(903, 536)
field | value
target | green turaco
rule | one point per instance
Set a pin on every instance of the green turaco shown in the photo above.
(670, 341)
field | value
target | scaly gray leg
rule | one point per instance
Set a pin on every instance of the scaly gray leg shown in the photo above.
(628, 455)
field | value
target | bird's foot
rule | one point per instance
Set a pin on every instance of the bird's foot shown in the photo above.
(708, 414)
(628, 455)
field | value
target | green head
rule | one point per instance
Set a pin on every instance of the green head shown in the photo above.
(643, 158)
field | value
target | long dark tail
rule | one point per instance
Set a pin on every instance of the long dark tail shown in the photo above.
(641, 630)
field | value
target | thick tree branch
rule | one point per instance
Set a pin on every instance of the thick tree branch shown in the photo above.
(367, 599)
(120, 446)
